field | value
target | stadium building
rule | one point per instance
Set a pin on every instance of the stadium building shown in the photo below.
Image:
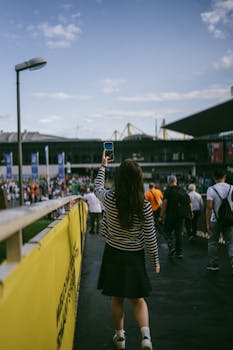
(210, 146)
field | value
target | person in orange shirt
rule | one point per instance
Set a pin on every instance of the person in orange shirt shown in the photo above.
(155, 197)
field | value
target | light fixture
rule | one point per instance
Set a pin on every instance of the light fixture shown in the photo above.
(32, 64)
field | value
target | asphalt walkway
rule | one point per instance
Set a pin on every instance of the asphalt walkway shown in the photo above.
(190, 308)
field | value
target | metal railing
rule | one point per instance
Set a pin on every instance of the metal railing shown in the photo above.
(13, 221)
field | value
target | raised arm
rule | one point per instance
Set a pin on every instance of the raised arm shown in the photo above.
(99, 189)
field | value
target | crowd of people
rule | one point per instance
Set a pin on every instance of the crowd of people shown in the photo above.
(132, 219)
(42, 189)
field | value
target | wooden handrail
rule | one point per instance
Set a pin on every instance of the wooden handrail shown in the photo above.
(15, 219)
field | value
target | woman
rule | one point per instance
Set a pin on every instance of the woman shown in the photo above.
(128, 224)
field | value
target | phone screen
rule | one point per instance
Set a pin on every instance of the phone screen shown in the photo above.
(109, 149)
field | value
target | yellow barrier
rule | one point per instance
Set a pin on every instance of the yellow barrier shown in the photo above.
(38, 298)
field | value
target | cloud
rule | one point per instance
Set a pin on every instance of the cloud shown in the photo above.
(50, 119)
(121, 115)
(62, 96)
(208, 94)
(59, 35)
(4, 116)
(76, 15)
(219, 18)
(66, 7)
(109, 86)
(11, 36)
(225, 62)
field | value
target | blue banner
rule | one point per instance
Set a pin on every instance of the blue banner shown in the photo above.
(61, 168)
(8, 160)
(35, 164)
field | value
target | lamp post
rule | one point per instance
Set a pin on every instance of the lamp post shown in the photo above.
(34, 63)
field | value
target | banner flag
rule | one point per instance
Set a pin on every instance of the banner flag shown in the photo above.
(216, 152)
(61, 167)
(35, 164)
(8, 160)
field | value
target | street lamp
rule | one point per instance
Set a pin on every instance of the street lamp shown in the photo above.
(34, 63)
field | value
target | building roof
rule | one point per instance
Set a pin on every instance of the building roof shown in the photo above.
(137, 137)
(28, 136)
(211, 121)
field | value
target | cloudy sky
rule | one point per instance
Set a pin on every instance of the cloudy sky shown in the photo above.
(113, 62)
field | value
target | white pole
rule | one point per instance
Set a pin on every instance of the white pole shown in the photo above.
(47, 165)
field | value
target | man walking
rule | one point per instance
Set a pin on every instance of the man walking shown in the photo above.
(175, 208)
(215, 196)
(155, 197)
(197, 206)
(95, 210)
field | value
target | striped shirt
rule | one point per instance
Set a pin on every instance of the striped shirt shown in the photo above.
(134, 238)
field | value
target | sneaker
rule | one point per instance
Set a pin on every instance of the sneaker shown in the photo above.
(119, 342)
(146, 344)
(213, 267)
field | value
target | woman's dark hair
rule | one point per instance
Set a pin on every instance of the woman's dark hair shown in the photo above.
(129, 192)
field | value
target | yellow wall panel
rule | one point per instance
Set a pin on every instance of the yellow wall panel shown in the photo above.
(39, 297)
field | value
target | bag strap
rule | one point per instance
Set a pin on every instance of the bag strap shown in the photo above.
(219, 194)
(155, 198)
(220, 198)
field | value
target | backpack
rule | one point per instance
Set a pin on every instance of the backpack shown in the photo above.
(225, 214)
(180, 203)
(183, 205)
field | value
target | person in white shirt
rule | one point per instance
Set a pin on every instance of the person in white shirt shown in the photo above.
(223, 190)
(197, 206)
(95, 210)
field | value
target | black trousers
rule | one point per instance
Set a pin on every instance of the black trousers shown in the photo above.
(156, 217)
(191, 224)
(95, 222)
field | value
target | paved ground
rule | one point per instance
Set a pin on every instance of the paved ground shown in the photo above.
(189, 307)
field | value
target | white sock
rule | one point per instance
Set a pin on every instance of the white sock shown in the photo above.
(145, 331)
(120, 333)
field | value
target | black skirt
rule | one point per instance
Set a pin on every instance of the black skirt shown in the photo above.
(123, 274)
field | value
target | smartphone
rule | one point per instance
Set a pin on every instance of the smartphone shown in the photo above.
(109, 149)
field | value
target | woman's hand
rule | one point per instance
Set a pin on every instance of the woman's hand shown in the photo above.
(105, 159)
(157, 269)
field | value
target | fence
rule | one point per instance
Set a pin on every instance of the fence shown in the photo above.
(39, 281)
